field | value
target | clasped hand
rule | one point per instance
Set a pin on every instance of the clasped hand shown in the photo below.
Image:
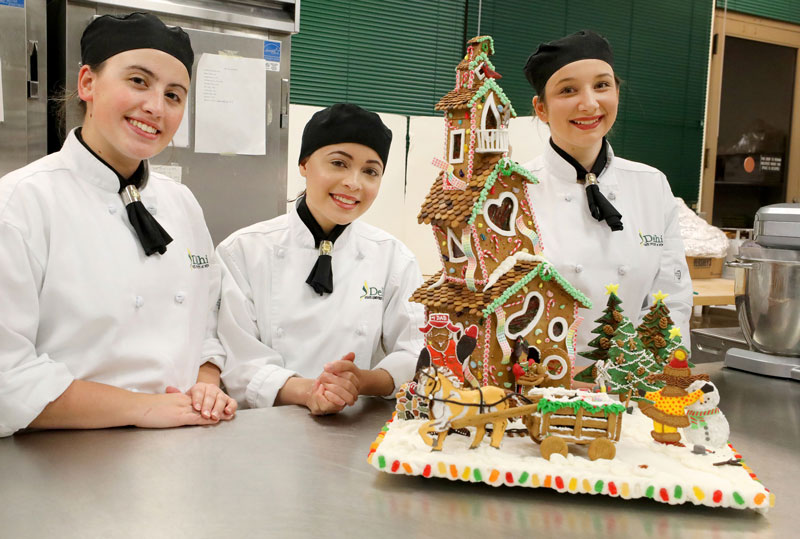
(210, 401)
(338, 386)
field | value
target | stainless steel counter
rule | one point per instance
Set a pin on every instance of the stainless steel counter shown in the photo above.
(283, 473)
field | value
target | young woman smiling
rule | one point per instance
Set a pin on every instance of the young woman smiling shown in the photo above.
(104, 320)
(604, 220)
(345, 330)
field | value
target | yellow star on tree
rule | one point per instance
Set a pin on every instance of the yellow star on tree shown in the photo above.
(611, 289)
(659, 296)
(674, 331)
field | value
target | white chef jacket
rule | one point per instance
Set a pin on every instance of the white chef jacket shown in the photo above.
(645, 257)
(274, 326)
(80, 300)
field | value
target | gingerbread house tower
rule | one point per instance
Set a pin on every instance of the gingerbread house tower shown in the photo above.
(493, 273)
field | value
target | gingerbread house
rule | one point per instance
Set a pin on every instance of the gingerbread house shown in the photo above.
(493, 272)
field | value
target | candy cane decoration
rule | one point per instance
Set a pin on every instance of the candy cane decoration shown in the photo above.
(490, 255)
(473, 113)
(500, 333)
(524, 206)
(517, 244)
(487, 336)
(528, 233)
(496, 242)
(550, 303)
(480, 255)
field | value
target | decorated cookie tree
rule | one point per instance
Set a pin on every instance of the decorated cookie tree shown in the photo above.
(493, 274)
(630, 363)
(657, 331)
(607, 326)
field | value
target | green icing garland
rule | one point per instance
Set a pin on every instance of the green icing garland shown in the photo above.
(482, 57)
(546, 406)
(490, 84)
(545, 272)
(481, 39)
(507, 167)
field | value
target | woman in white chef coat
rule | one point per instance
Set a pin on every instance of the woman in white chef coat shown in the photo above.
(348, 328)
(603, 219)
(106, 318)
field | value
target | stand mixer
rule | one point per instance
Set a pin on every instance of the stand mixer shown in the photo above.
(767, 292)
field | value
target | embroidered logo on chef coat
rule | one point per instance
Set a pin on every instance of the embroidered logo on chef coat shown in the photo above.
(371, 292)
(650, 240)
(197, 261)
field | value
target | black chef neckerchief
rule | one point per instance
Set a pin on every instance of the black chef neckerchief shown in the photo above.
(599, 206)
(152, 236)
(321, 276)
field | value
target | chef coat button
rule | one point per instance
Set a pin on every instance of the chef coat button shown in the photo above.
(612, 195)
(112, 209)
(578, 268)
(279, 332)
(179, 297)
(360, 256)
(622, 270)
(568, 197)
(139, 301)
(279, 253)
(360, 331)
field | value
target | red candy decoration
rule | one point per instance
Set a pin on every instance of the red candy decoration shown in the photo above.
(427, 471)
(664, 495)
(395, 465)
(717, 496)
(612, 488)
(509, 477)
(559, 482)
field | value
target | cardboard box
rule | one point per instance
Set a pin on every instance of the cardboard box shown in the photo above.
(704, 267)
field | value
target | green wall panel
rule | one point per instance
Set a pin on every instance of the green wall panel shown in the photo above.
(781, 10)
(388, 56)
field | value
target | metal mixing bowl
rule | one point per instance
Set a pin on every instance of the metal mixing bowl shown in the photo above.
(767, 292)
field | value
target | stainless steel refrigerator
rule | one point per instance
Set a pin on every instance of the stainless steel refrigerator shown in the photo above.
(234, 190)
(23, 70)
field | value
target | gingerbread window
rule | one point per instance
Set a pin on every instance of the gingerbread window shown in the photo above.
(523, 321)
(457, 146)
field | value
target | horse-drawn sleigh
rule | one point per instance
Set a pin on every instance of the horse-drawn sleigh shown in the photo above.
(554, 417)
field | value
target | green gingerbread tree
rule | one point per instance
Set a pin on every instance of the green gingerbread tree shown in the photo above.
(629, 364)
(657, 331)
(607, 326)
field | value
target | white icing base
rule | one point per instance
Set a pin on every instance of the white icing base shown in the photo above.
(667, 467)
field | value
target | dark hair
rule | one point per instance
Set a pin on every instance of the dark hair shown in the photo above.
(65, 98)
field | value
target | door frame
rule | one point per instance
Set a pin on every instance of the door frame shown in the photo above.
(755, 29)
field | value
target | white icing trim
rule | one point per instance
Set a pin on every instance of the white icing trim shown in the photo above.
(487, 106)
(563, 332)
(451, 236)
(562, 363)
(512, 222)
(438, 283)
(508, 264)
(521, 312)
(453, 158)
